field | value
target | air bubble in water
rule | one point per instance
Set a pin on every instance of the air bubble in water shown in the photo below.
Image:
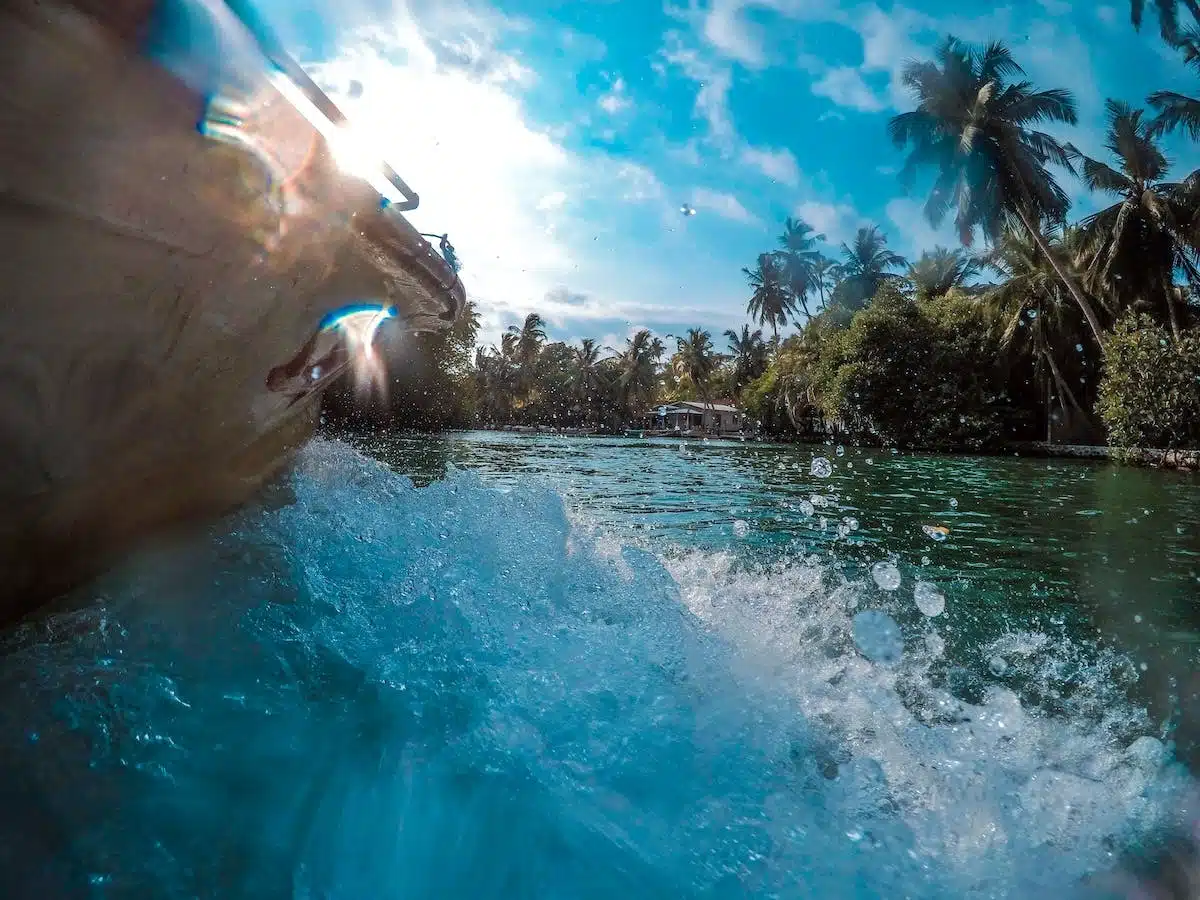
(851, 523)
(953, 503)
(843, 530)
(741, 528)
(1079, 348)
(998, 665)
(821, 468)
(877, 637)
(841, 451)
(925, 560)
(807, 508)
(870, 462)
(930, 601)
(886, 575)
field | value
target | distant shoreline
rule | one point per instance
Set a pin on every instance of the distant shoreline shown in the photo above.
(1143, 457)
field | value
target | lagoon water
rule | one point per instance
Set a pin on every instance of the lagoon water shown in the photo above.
(489, 665)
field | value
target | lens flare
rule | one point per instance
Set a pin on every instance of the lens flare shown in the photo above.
(358, 326)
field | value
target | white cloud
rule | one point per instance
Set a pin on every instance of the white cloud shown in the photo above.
(452, 123)
(552, 201)
(837, 221)
(726, 30)
(639, 184)
(723, 204)
(615, 100)
(844, 85)
(912, 232)
(778, 165)
(712, 97)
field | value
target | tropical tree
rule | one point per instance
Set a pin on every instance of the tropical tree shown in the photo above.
(825, 274)
(1176, 110)
(1168, 15)
(749, 354)
(799, 257)
(1139, 241)
(941, 270)
(695, 361)
(974, 127)
(771, 302)
(1035, 315)
(865, 267)
(636, 370)
(587, 381)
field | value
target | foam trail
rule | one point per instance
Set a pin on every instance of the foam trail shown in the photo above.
(366, 690)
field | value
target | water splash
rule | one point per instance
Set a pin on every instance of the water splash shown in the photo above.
(362, 689)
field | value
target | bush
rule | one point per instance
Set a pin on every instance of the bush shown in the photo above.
(916, 374)
(1150, 389)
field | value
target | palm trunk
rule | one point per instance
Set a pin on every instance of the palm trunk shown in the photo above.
(1065, 394)
(1172, 312)
(1068, 282)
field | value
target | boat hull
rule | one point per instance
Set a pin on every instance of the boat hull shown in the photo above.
(161, 351)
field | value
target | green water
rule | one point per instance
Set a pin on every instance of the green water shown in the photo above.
(1108, 556)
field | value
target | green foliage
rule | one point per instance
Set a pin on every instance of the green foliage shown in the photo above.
(909, 373)
(1150, 390)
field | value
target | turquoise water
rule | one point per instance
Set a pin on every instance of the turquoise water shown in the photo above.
(587, 669)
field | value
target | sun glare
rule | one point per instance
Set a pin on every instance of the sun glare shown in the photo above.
(353, 154)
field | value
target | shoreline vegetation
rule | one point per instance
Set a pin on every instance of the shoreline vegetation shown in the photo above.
(1038, 332)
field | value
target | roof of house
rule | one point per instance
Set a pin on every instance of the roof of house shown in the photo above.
(715, 407)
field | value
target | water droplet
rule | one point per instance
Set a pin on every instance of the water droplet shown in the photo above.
(1032, 313)
(851, 523)
(1079, 348)
(953, 503)
(886, 575)
(741, 528)
(807, 508)
(841, 451)
(843, 530)
(870, 461)
(930, 601)
(936, 532)
(1143, 666)
(821, 467)
(878, 637)
(935, 644)
(998, 665)
(925, 560)
(1138, 618)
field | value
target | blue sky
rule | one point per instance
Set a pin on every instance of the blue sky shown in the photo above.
(556, 140)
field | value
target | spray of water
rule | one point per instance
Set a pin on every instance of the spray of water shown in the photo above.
(362, 689)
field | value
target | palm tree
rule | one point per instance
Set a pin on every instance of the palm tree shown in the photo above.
(1140, 240)
(749, 354)
(865, 265)
(1034, 311)
(1168, 15)
(694, 360)
(1176, 110)
(637, 367)
(586, 378)
(799, 256)
(771, 302)
(974, 127)
(940, 270)
(530, 337)
(825, 274)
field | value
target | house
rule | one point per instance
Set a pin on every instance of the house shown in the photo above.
(694, 416)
